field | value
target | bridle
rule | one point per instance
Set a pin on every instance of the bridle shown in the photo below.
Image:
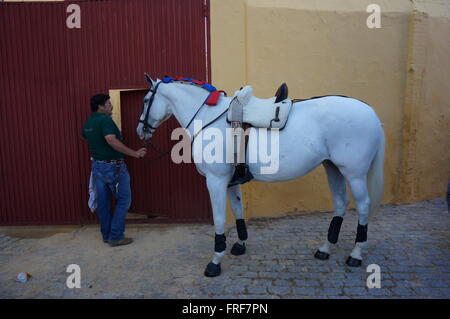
(147, 127)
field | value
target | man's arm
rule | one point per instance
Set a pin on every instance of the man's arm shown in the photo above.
(122, 148)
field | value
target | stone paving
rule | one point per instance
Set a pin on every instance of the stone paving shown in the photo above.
(410, 243)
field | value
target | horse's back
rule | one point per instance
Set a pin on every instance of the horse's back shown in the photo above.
(335, 108)
(349, 128)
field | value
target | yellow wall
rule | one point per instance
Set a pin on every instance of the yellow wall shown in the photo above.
(425, 166)
(324, 47)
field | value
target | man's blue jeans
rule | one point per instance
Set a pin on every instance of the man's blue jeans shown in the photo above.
(109, 179)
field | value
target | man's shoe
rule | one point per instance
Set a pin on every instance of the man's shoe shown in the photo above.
(124, 241)
(241, 175)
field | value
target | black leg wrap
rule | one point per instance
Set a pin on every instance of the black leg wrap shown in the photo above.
(361, 234)
(220, 243)
(241, 229)
(335, 228)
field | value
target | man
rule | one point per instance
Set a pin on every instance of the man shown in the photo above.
(109, 171)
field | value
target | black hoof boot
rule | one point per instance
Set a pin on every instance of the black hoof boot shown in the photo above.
(238, 249)
(353, 262)
(212, 270)
(321, 255)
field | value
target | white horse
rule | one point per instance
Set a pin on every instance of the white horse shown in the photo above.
(343, 134)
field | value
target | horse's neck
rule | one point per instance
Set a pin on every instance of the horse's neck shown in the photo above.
(186, 100)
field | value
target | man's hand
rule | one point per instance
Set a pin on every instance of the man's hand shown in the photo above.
(140, 152)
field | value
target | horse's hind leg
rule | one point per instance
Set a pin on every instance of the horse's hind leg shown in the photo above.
(360, 193)
(217, 191)
(336, 182)
(234, 194)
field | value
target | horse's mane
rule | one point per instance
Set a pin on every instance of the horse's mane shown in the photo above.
(214, 93)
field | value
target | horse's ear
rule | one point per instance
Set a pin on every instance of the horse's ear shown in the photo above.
(282, 93)
(149, 80)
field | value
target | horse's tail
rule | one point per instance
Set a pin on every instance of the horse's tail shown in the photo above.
(375, 177)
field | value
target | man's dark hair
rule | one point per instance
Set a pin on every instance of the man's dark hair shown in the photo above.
(98, 99)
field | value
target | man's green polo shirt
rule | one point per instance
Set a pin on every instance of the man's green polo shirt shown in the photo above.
(94, 131)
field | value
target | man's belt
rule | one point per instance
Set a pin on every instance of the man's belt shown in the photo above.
(113, 161)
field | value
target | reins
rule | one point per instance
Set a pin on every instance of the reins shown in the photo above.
(160, 155)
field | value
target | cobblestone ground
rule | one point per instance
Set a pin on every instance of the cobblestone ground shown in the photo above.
(410, 243)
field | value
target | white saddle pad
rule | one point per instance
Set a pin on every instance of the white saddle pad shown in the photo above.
(262, 112)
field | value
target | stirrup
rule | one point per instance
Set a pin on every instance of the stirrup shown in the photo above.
(241, 175)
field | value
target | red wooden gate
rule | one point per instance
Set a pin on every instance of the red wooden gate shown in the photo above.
(49, 73)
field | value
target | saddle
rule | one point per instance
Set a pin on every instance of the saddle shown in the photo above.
(263, 113)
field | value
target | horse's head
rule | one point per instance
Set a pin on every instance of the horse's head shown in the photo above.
(155, 111)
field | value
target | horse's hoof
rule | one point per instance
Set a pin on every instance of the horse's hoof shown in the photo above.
(321, 255)
(238, 249)
(353, 262)
(212, 270)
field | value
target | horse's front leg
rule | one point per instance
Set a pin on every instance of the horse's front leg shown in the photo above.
(235, 197)
(217, 187)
